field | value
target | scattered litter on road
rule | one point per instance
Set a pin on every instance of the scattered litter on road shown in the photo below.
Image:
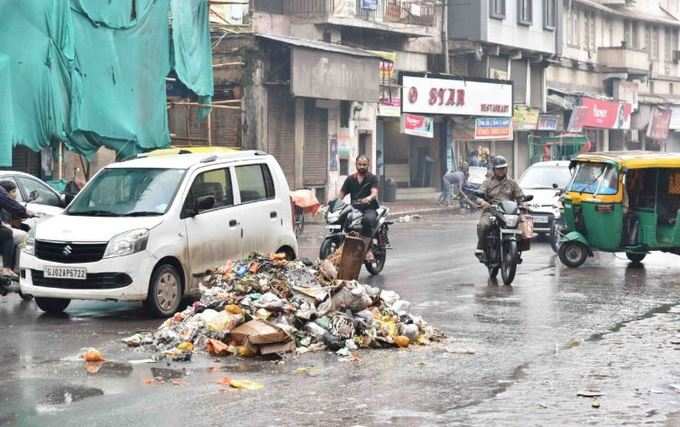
(240, 384)
(589, 393)
(92, 355)
(268, 305)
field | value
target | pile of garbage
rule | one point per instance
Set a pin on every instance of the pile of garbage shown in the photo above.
(268, 305)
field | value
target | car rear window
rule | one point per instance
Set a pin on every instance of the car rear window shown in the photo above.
(255, 183)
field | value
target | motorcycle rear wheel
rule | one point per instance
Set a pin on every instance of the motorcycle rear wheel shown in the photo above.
(509, 257)
(328, 248)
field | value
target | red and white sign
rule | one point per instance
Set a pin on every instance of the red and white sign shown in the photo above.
(659, 124)
(605, 114)
(421, 126)
(452, 97)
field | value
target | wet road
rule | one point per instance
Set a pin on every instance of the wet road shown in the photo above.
(515, 355)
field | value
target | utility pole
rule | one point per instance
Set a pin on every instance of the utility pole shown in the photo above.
(445, 36)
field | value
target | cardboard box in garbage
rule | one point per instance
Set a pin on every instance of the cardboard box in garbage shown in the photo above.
(285, 347)
(353, 255)
(259, 332)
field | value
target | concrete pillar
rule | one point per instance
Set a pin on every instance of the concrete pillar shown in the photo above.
(605, 140)
(515, 155)
(299, 142)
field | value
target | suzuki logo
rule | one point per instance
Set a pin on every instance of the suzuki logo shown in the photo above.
(68, 250)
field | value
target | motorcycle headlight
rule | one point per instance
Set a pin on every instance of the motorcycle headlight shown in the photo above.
(127, 243)
(29, 244)
(332, 217)
(511, 220)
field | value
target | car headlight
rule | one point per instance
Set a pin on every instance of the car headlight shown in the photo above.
(511, 220)
(29, 243)
(127, 243)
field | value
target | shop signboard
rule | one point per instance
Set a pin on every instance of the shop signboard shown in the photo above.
(659, 123)
(369, 4)
(493, 128)
(525, 118)
(606, 114)
(389, 107)
(578, 115)
(422, 126)
(456, 97)
(549, 122)
(675, 119)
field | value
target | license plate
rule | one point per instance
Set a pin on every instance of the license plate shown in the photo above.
(541, 219)
(75, 273)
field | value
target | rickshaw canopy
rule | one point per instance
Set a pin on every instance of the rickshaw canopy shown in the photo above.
(632, 159)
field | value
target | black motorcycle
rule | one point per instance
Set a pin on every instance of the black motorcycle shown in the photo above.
(343, 219)
(504, 243)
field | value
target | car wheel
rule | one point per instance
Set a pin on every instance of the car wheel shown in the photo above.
(52, 305)
(165, 291)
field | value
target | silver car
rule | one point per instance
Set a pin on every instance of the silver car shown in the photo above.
(544, 180)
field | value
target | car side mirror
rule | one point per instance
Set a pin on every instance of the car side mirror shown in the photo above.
(555, 186)
(204, 203)
(33, 196)
(528, 198)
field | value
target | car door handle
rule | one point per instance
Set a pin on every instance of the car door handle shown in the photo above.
(273, 214)
(233, 223)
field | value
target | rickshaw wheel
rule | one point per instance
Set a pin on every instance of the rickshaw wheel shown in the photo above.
(635, 258)
(573, 254)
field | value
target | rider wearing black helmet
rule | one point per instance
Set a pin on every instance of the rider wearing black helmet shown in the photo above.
(496, 188)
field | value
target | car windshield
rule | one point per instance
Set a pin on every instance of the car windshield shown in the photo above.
(128, 192)
(543, 176)
(595, 178)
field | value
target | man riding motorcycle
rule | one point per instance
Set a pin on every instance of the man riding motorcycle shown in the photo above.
(497, 188)
(362, 188)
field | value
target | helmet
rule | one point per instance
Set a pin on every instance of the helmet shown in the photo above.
(499, 162)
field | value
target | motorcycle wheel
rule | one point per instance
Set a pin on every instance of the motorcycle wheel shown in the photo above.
(555, 235)
(493, 272)
(509, 257)
(376, 267)
(328, 248)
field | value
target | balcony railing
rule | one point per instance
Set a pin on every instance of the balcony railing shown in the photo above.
(620, 58)
(405, 12)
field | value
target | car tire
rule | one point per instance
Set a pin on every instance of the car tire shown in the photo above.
(165, 291)
(52, 305)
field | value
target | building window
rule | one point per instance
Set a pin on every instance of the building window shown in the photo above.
(550, 14)
(637, 40)
(573, 38)
(589, 31)
(497, 9)
(653, 35)
(628, 34)
(524, 12)
(668, 46)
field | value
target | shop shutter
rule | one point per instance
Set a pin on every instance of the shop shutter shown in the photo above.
(25, 160)
(315, 169)
(281, 130)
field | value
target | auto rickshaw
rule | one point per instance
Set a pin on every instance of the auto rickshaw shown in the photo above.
(621, 202)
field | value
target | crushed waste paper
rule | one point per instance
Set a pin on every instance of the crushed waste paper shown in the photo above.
(268, 305)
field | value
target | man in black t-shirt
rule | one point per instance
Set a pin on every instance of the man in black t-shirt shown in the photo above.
(363, 190)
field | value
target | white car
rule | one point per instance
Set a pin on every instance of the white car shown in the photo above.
(35, 194)
(149, 229)
(544, 180)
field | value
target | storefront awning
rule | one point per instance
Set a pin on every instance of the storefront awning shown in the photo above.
(331, 71)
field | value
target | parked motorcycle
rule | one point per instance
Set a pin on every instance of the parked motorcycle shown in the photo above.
(557, 227)
(504, 240)
(343, 219)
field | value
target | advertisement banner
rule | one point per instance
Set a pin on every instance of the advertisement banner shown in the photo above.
(659, 124)
(453, 97)
(525, 118)
(421, 126)
(369, 4)
(578, 115)
(675, 119)
(389, 107)
(606, 114)
(497, 129)
(549, 122)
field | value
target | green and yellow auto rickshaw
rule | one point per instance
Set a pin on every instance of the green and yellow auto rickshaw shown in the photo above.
(621, 202)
